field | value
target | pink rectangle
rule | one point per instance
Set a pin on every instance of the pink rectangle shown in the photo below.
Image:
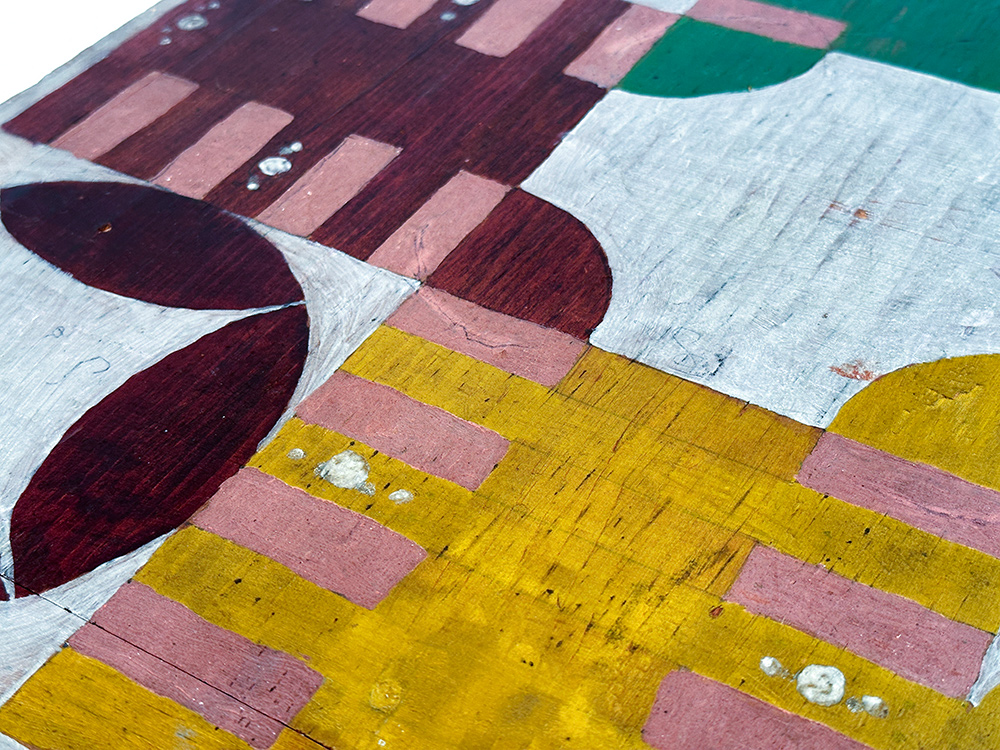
(425, 437)
(896, 633)
(329, 185)
(222, 150)
(917, 494)
(417, 248)
(531, 351)
(692, 712)
(397, 13)
(163, 645)
(125, 114)
(156, 675)
(333, 547)
(780, 24)
(616, 49)
(506, 24)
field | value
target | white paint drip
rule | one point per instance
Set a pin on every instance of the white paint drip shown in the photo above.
(401, 496)
(854, 705)
(291, 148)
(347, 470)
(821, 684)
(296, 454)
(253, 183)
(772, 667)
(448, 16)
(164, 41)
(192, 22)
(214, 5)
(274, 165)
(875, 706)
(465, 2)
(759, 239)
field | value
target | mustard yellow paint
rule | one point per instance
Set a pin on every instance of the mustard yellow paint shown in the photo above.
(944, 413)
(77, 703)
(592, 561)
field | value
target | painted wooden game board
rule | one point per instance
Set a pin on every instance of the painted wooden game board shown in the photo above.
(505, 374)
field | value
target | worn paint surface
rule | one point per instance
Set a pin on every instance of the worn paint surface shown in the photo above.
(477, 525)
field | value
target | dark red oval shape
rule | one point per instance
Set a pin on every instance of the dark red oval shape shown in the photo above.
(140, 462)
(534, 261)
(149, 245)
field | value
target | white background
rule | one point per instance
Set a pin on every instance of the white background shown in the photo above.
(37, 36)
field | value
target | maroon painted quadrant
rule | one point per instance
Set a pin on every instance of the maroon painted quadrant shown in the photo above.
(152, 452)
(148, 244)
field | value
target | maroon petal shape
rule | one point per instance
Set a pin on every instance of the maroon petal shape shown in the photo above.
(140, 462)
(149, 244)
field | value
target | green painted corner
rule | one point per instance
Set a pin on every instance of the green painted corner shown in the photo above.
(695, 59)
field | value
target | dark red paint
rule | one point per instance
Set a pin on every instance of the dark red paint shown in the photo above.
(148, 244)
(533, 261)
(139, 463)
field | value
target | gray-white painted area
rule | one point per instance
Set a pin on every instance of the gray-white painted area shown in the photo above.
(347, 300)
(35, 627)
(989, 673)
(846, 220)
(670, 6)
(6, 743)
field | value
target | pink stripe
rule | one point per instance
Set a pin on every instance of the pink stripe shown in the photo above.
(124, 115)
(513, 345)
(256, 688)
(692, 712)
(333, 547)
(418, 247)
(507, 23)
(223, 149)
(781, 24)
(329, 185)
(620, 45)
(398, 13)
(917, 494)
(156, 675)
(425, 437)
(896, 633)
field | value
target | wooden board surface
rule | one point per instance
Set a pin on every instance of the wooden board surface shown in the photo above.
(505, 374)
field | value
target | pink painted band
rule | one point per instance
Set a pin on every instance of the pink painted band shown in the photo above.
(425, 437)
(780, 24)
(616, 49)
(397, 13)
(920, 495)
(692, 712)
(329, 185)
(333, 547)
(125, 114)
(531, 351)
(246, 689)
(224, 148)
(896, 633)
(417, 248)
(506, 24)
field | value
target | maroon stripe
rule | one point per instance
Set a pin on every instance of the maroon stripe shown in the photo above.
(140, 462)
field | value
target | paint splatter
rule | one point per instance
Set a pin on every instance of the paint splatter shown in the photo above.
(874, 706)
(856, 370)
(772, 667)
(448, 16)
(253, 183)
(291, 148)
(401, 496)
(821, 684)
(348, 471)
(296, 454)
(192, 22)
(164, 41)
(274, 165)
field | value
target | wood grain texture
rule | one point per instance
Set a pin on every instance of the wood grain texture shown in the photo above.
(899, 634)
(425, 437)
(922, 496)
(692, 712)
(193, 255)
(520, 348)
(125, 115)
(532, 261)
(326, 544)
(140, 462)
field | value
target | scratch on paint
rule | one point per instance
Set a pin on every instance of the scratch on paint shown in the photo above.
(856, 370)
